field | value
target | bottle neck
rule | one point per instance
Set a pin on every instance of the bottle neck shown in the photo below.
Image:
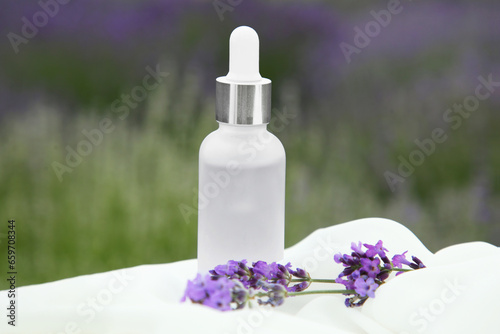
(242, 128)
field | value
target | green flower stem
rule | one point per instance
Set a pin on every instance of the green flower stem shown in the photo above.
(402, 269)
(322, 280)
(314, 292)
(321, 292)
(317, 280)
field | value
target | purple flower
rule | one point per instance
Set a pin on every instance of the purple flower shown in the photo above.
(355, 274)
(365, 288)
(281, 271)
(338, 258)
(276, 294)
(357, 248)
(399, 259)
(377, 249)
(349, 284)
(383, 275)
(345, 259)
(195, 289)
(261, 269)
(231, 268)
(347, 271)
(219, 299)
(235, 270)
(370, 266)
(240, 295)
(355, 301)
(232, 285)
(214, 292)
(299, 273)
(365, 271)
(274, 271)
(417, 264)
(299, 287)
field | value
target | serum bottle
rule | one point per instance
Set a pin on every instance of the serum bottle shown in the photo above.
(241, 199)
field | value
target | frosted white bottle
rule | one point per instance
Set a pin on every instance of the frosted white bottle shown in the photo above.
(241, 200)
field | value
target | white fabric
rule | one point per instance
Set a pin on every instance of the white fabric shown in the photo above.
(457, 293)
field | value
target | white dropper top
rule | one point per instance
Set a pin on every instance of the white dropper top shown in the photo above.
(244, 55)
(243, 96)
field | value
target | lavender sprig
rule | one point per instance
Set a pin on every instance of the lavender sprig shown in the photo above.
(222, 293)
(233, 285)
(260, 271)
(366, 270)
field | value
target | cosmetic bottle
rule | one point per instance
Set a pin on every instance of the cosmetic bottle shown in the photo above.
(241, 194)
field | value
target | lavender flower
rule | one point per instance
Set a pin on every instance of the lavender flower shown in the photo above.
(234, 284)
(365, 271)
(346, 260)
(261, 271)
(349, 283)
(365, 288)
(357, 248)
(399, 259)
(217, 293)
(195, 290)
(417, 264)
(371, 267)
(299, 287)
(224, 294)
(276, 294)
(301, 273)
(235, 270)
(377, 249)
(229, 269)
(280, 273)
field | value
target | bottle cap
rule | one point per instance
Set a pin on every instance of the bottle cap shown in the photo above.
(243, 96)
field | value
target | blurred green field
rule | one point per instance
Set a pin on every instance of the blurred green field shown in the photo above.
(120, 206)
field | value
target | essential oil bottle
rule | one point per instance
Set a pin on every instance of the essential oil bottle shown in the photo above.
(241, 199)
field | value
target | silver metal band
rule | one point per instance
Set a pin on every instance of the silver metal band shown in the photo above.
(243, 103)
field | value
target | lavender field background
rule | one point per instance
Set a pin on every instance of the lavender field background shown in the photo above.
(351, 120)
